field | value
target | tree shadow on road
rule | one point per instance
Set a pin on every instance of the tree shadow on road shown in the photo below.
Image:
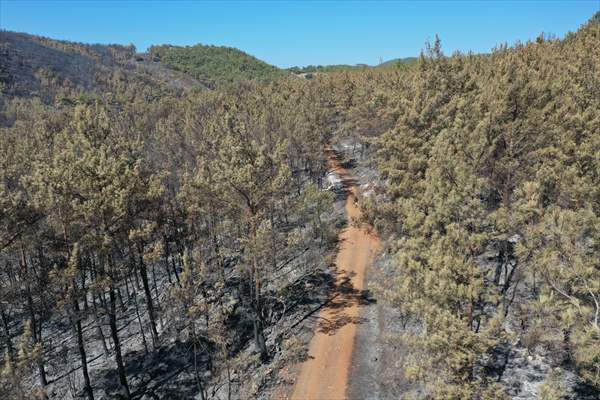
(344, 296)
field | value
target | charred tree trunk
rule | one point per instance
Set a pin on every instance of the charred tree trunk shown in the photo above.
(115, 336)
(33, 321)
(7, 336)
(149, 304)
(196, 372)
(259, 337)
(99, 326)
(139, 318)
(166, 257)
(84, 292)
(81, 347)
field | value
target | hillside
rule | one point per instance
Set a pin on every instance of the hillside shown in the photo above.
(396, 61)
(35, 66)
(311, 69)
(215, 65)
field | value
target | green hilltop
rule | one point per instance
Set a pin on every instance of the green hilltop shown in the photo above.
(215, 65)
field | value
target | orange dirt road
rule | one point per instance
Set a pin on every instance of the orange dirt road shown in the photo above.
(324, 376)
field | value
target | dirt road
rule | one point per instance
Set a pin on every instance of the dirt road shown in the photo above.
(324, 376)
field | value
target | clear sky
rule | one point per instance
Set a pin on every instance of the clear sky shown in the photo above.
(287, 33)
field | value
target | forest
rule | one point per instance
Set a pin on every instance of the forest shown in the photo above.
(164, 236)
(215, 65)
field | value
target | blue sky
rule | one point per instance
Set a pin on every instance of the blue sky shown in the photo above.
(286, 33)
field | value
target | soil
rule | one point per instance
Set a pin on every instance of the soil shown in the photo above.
(324, 375)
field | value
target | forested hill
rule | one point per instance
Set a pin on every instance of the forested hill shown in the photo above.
(398, 61)
(36, 66)
(215, 65)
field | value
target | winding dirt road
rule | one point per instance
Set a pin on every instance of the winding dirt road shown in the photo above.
(324, 376)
